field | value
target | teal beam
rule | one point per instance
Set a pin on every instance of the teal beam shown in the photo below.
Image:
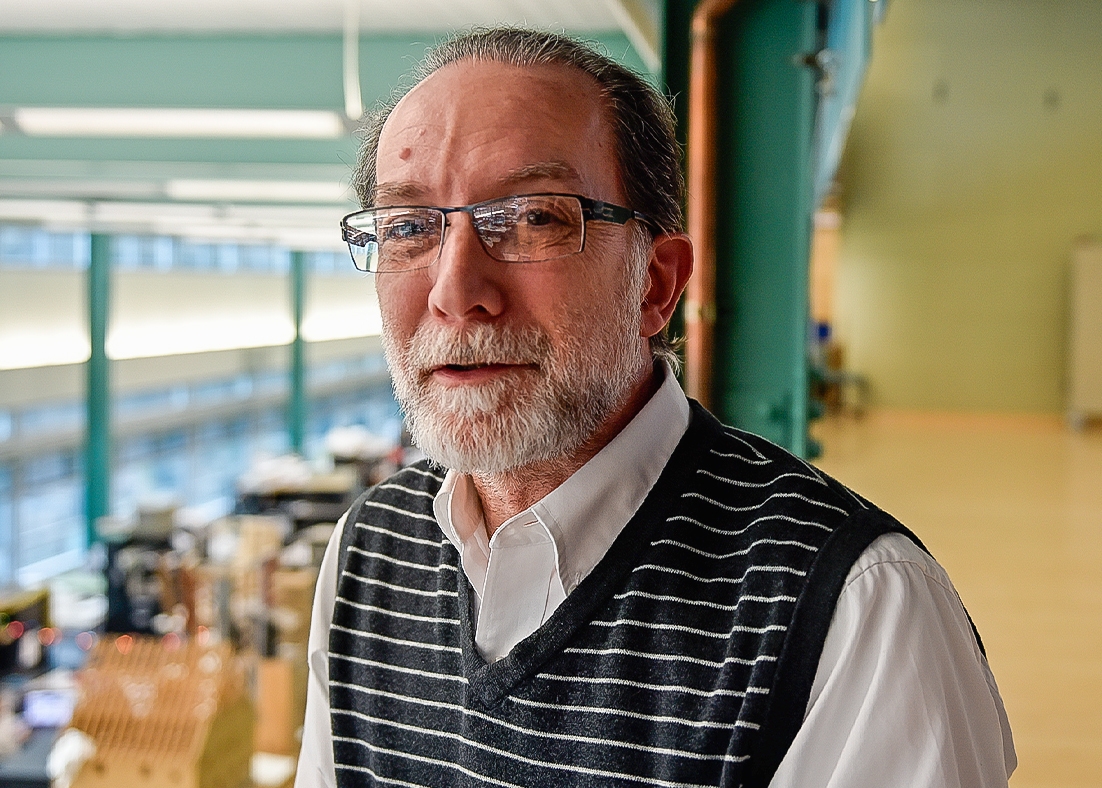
(296, 408)
(97, 450)
(766, 109)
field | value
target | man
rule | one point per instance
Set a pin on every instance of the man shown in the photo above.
(593, 582)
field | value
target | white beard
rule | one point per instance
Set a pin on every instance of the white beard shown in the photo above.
(522, 417)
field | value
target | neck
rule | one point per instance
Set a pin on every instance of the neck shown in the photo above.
(504, 495)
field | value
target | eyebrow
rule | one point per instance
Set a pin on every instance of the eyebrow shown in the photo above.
(400, 190)
(549, 170)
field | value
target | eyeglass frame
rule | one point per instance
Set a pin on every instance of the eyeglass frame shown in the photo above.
(592, 210)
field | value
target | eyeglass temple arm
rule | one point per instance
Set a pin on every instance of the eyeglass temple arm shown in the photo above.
(608, 212)
(358, 237)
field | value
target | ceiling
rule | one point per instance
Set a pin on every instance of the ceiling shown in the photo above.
(212, 57)
(99, 16)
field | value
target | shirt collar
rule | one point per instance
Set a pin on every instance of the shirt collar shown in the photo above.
(585, 514)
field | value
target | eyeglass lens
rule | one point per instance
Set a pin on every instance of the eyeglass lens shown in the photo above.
(527, 228)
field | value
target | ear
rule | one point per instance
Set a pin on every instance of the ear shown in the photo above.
(671, 263)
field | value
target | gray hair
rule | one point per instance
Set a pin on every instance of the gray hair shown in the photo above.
(647, 153)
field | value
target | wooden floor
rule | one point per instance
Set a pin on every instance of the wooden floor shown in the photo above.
(1012, 507)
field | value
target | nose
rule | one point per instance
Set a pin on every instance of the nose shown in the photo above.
(466, 281)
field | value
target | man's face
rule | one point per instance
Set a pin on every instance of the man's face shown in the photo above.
(499, 365)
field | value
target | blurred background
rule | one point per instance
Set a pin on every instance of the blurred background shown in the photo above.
(905, 286)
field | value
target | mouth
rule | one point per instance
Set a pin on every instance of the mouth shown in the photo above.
(477, 355)
(478, 371)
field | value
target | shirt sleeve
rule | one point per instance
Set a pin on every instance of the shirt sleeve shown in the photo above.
(902, 695)
(315, 760)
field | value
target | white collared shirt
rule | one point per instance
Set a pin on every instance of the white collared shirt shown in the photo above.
(535, 559)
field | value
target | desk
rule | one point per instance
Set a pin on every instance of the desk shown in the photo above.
(27, 767)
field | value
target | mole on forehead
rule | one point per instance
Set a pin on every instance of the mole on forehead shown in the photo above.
(546, 170)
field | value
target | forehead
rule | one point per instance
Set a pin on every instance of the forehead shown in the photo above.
(473, 129)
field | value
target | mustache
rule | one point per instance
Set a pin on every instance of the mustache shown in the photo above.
(433, 346)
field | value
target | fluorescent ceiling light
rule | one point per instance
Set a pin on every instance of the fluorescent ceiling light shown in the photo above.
(305, 227)
(349, 321)
(256, 190)
(202, 334)
(296, 226)
(49, 212)
(23, 350)
(306, 239)
(178, 122)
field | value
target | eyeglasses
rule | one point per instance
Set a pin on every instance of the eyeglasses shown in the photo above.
(524, 228)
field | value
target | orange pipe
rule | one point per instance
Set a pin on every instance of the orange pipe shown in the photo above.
(700, 297)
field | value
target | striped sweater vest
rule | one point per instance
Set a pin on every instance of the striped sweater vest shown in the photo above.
(685, 658)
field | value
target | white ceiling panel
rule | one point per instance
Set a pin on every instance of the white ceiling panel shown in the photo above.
(95, 16)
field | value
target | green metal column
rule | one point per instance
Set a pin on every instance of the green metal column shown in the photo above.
(296, 408)
(766, 106)
(97, 449)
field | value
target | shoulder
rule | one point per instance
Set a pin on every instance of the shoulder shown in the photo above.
(901, 647)
(418, 479)
(898, 603)
(409, 490)
(896, 553)
(731, 464)
(896, 586)
(400, 504)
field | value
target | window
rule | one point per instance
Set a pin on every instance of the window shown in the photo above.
(151, 402)
(192, 439)
(49, 518)
(51, 417)
(137, 252)
(330, 264)
(25, 245)
(7, 554)
(268, 259)
(197, 256)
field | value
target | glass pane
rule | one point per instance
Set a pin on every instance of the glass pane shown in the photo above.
(7, 524)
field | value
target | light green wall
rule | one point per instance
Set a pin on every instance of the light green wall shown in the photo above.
(975, 161)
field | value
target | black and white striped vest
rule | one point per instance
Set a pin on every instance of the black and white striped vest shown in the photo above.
(684, 659)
